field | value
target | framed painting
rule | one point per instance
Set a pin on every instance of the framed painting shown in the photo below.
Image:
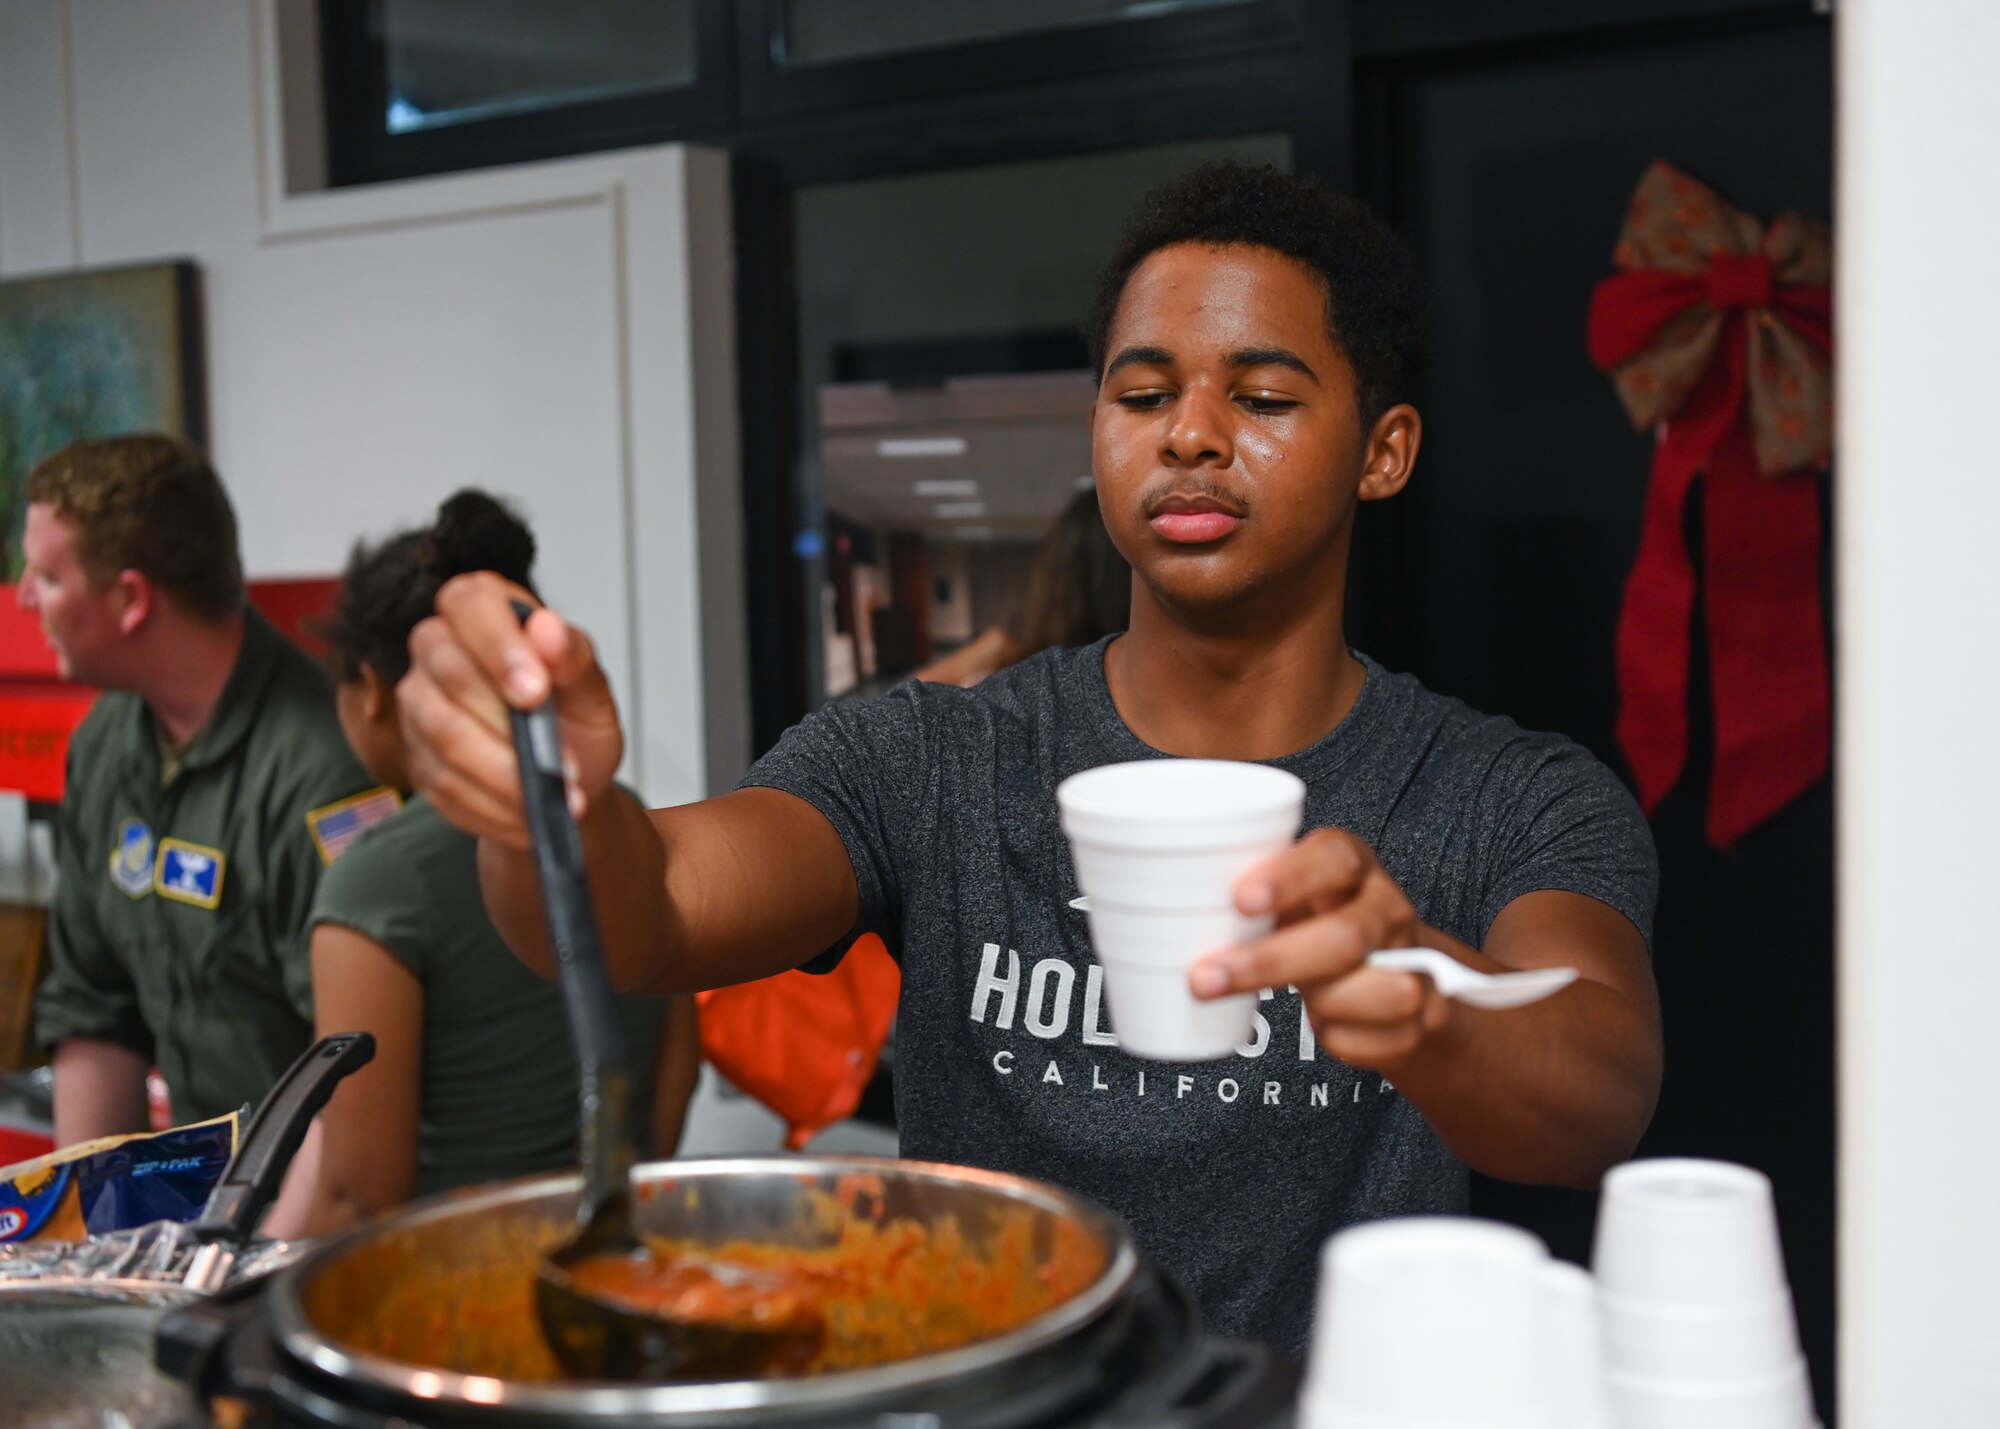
(92, 354)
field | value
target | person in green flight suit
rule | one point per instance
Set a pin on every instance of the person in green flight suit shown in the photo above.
(205, 791)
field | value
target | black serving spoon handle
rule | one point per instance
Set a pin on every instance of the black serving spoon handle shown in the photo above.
(605, 1081)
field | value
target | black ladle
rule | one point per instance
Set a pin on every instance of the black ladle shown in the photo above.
(592, 1336)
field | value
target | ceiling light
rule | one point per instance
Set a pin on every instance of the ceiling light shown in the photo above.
(946, 488)
(958, 510)
(971, 533)
(1085, 482)
(920, 446)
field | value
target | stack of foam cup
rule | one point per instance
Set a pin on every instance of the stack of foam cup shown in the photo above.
(1693, 1305)
(1159, 845)
(1450, 1323)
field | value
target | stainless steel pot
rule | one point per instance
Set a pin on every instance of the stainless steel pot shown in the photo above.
(325, 1312)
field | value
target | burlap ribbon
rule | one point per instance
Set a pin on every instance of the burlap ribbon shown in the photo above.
(1718, 335)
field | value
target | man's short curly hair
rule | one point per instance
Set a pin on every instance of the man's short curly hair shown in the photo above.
(149, 503)
(1374, 304)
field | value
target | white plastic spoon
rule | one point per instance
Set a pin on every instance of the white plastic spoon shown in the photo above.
(1471, 986)
(1453, 978)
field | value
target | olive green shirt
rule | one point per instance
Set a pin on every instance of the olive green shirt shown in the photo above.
(179, 923)
(499, 1094)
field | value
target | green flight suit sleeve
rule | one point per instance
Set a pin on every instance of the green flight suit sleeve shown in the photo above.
(88, 989)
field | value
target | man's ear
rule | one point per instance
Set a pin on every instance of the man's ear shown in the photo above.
(1392, 453)
(132, 594)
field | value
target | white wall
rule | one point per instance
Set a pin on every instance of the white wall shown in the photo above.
(1919, 766)
(559, 333)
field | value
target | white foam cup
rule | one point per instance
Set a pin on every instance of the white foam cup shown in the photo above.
(1193, 881)
(1748, 1342)
(1778, 1401)
(1166, 938)
(1156, 1017)
(1577, 1347)
(1146, 953)
(1181, 805)
(1688, 1235)
(1176, 833)
(1438, 1322)
(1159, 845)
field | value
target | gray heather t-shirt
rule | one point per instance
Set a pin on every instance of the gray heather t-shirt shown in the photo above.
(1230, 1173)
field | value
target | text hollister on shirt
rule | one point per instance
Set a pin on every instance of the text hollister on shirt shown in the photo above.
(1048, 1005)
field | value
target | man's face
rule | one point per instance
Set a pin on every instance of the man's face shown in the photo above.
(1225, 437)
(79, 621)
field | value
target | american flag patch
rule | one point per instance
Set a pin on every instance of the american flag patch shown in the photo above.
(336, 826)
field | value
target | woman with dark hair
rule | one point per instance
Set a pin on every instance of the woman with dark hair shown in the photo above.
(474, 1077)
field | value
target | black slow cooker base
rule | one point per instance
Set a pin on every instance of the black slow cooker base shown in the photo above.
(1144, 1365)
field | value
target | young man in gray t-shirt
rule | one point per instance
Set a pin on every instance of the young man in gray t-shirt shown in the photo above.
(1255, 340)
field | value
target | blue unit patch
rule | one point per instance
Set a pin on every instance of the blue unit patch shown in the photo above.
(189, 873)
(132, 859)
(336, 826)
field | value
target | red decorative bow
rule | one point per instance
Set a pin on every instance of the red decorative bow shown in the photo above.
(1719, 336)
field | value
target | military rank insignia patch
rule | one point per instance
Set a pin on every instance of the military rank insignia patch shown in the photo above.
(132, 859)
(337, 825)
(189, 873)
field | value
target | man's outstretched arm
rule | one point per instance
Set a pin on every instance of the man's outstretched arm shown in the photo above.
(1555, 1093)
(701, 895)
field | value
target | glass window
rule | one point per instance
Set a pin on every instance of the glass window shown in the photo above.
(819, 30)
(449, 61)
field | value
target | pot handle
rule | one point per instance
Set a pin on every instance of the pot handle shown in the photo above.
(188, 1342)
(1220, 1381)
(222, 1347)
(275, 1132)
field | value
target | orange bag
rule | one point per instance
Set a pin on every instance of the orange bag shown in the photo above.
(805, 1044)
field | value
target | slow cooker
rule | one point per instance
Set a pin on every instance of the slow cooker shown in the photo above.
(1126, 1351)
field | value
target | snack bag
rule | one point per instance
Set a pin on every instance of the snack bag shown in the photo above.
(116, 1182)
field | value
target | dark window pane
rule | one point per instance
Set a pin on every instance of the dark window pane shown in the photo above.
(454, 60)
(818, 30)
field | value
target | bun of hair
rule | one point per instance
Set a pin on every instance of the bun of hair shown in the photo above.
(476, 532)
(387, 589)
